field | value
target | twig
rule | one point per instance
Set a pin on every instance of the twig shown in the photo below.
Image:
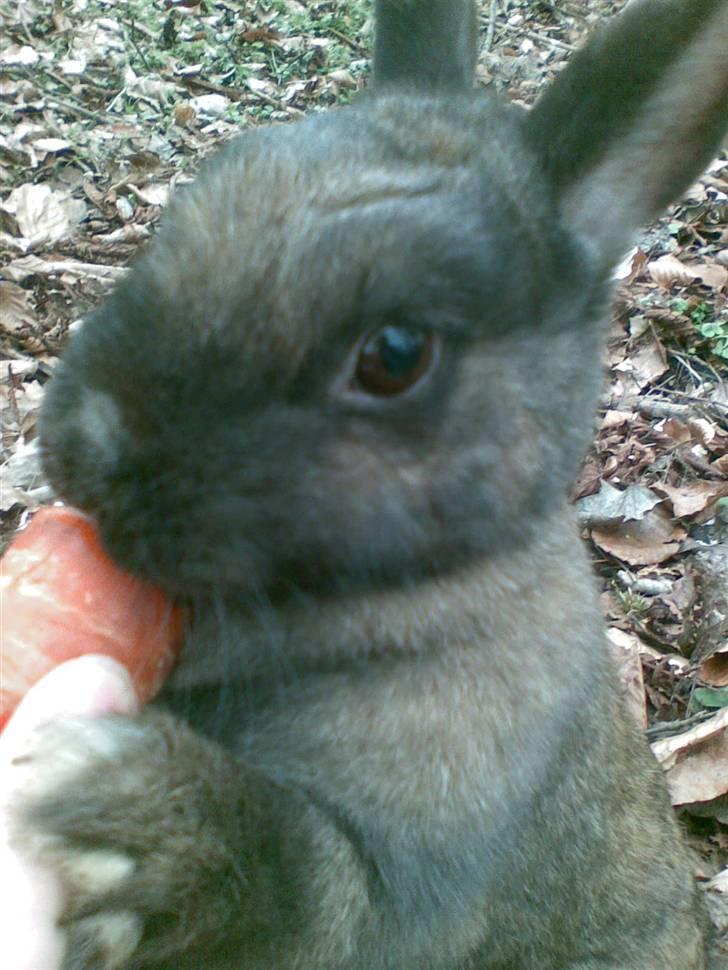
(544, 39)
(234, 94)
(660, 407)
(74, 109)
(135, 28)
(237, 94)
(677, 727)
(357, 48)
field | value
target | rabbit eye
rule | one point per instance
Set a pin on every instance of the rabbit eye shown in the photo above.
(393, 359)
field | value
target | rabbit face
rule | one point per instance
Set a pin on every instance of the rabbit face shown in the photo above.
(349, 356)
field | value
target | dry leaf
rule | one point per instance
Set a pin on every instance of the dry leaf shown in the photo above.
(184, 114)
(259, 86)
(668, 270)
(705, 431)
(342, 78)
(210, 105)
(152, 89)
(611, 504)
(696, 762)
(615, 419)
(645, 364)
(52, 146)
(42, 214)
(263, 35)
(631, 266)
(712, 274)
(651, 540)
(714, 671)
(626, 649)
(16, 312)
(675, 429)
(719, 882)
(689, 499)
(17, 55)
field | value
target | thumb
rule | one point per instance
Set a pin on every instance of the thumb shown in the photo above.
(31, 898)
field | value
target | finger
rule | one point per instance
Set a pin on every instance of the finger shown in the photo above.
(88, 685)
(31, 898)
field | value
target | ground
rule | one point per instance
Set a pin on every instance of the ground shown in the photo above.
(107, 105)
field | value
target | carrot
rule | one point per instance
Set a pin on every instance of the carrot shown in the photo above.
(63, 597)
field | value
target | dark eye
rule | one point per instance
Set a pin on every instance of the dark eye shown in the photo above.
(393, 359)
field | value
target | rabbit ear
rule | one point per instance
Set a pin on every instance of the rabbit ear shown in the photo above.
(635, 117)
(427, 44)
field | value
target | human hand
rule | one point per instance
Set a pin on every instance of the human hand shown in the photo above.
(31, 899)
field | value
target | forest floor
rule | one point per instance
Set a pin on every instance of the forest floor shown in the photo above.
(107, 105)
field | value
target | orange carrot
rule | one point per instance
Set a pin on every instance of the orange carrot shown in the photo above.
(63, 597)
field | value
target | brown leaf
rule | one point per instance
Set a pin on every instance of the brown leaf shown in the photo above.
(704, 431)
(713, 275)
(668, 270)
(650, 540)
(689, 499)
(675, 429)
(263, 35)
(645, 364)
(626, 649)
(715, 669)
(184, 114)
(16, 312)
(615, 419)
(696, 762)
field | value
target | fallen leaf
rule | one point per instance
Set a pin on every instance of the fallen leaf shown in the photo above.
(645, 364)
(43, 214)
(674, 429)
(16, 55)
(210, 105)
(16, 312)
(611, 504)
(615, 419)
(631, 266)
(713, 275)
(714, 670)
(184, 114)
(152, 194)
(651, 540)
(688, 499)
(668, 270)
(696, 762)
(626, 649)
(262, 35)
(52, 146)
(711, 697)
(705, 431)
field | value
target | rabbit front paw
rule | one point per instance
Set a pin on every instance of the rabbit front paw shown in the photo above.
(120, 809)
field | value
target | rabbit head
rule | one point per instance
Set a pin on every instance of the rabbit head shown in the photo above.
(365, 346)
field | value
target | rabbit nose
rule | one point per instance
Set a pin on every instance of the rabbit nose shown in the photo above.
(101, 426)
(82, 443)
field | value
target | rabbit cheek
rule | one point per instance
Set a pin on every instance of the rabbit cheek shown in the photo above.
(368, 513)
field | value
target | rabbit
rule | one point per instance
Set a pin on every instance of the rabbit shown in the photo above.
(336, 407)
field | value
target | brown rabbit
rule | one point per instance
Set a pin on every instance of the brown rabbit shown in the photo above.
(337, 406)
